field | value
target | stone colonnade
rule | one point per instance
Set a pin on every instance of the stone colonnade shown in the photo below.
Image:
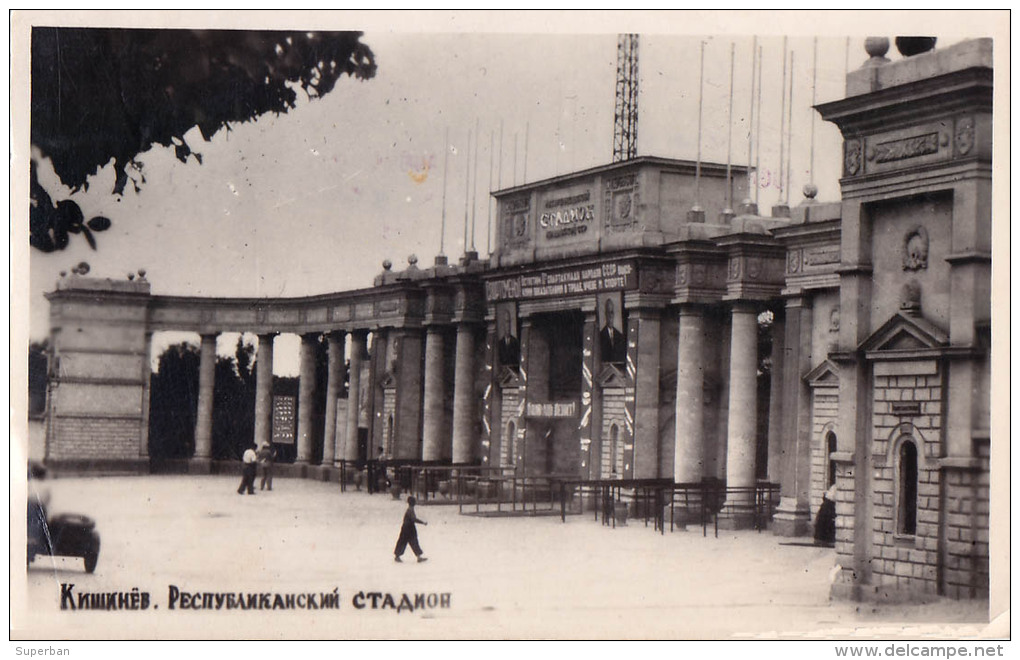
(445, 437)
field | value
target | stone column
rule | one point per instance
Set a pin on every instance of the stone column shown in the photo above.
(464, 431)
(358, 340)
(645, 461)
(435, 394)
(206, 381)
(408, 374)
(776, 387)
(334, 383)
(535, 357)
(689, 456)
(378, 355)
(793, 517)
(264, 389)
(306, 397)
(742, 415)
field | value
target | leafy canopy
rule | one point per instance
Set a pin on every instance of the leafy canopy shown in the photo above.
(109, 94)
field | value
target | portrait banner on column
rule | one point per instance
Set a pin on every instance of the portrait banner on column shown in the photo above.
(508, 345)
(612, 339)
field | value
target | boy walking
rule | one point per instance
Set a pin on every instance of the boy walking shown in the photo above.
(409, 534)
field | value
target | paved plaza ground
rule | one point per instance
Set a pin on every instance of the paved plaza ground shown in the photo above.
(507, 577)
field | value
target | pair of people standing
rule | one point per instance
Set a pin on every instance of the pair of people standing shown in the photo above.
(251, 460)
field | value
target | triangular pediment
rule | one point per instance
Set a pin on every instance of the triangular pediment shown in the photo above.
(509, 378)
(905, 332)
(612, 376)
(824, 375)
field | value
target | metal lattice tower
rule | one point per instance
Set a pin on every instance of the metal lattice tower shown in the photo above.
(625, 120)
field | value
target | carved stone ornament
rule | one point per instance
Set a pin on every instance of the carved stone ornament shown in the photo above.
(915, 249)
(734, 269)
(834, 319)
(623, 204)
(754, 267)
(852, 158)
(793, 261)
(681, 274)
(964, 135)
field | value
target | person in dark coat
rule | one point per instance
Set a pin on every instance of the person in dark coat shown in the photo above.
(248, 469)
(409, 534)
(825, 521)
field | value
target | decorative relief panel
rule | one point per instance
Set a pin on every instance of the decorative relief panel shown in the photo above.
(733, 270)
(851, 157)
(621, 203)
(515, 221)
(695, 275)
(911, 147)
(821, 256)
(754, 267)
(793, 261)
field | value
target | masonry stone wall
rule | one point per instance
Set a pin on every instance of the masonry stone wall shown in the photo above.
(845, 512)
(510, 401)
(907, 405)
(966, 525)
(94, 439)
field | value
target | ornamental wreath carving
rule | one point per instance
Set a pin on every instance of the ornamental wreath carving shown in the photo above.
(915, 249)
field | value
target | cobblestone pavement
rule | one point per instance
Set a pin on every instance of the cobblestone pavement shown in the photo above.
(504, 577)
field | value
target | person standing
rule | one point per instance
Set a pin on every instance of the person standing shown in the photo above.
(249, 463)
(409, 534)
(267, 456)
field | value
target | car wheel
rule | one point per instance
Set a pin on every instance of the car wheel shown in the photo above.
(92, 558)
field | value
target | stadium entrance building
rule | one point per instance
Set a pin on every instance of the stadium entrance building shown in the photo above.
(624, 329)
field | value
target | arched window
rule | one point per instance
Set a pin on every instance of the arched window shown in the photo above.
(906, 518)
(830, 449)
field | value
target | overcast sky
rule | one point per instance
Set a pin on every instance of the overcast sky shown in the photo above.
(312, 201)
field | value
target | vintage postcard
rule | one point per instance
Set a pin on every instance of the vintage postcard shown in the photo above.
(510, 325)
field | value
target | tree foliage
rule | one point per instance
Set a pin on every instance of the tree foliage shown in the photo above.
(234, 403)
(108, 94)
(173, 403)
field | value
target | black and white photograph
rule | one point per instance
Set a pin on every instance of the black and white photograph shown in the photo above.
(393, 325)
